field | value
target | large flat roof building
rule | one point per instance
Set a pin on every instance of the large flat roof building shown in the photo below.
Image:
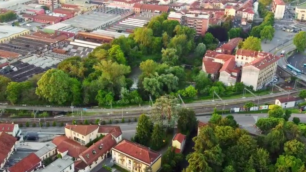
(93, 21)
(8, 32)
(13, 4)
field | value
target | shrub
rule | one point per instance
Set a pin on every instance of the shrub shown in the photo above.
(62, 124)
(110, 121)
(48, 124)
(86, 122)
(34, 125)
(27, 124)
(20, 125)
(54, 124)
(296, 120)
(122, 120)
(135, 119)
(129, 120)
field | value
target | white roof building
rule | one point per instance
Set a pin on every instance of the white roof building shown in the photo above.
(64, 164)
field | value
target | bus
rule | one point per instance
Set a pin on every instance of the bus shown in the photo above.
(305, 65)
(282, 53)
(293, 69)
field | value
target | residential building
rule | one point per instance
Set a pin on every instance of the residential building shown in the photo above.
(48, 2)
(198, 22)
(47, 151)
(139, 8)
(230, 10)
(229, 73)
(8, 32)
(259, 73)
(7, 144)
(67, 13)
(286, 101)
(30, 163)
(200, 125)
(135, 157)
(42, 18)
(243, 57)
(300, 12)
(178, 142)
(66, 146)
(64, 164)
(212, 68)
(230, 46)
(96, 153)
(8, 55)
(278, 8)
(12, 129)
(84, 134)
(175, 16)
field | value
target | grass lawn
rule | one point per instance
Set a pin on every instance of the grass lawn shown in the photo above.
(120, 168)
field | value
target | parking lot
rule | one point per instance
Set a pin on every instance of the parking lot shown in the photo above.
(280, 39)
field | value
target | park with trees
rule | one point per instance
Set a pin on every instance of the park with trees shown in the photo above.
(223, 146)
(160, 50)
(8, 16)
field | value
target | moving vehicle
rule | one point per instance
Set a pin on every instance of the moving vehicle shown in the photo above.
(294, 70)
(282, 53)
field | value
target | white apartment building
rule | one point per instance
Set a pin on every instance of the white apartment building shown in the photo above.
(278, 8)
(243, 57)
(259, 72)
(199, 22)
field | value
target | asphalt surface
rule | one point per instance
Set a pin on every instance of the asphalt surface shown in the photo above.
(298, 61)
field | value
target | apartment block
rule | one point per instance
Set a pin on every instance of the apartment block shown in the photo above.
(260, 72)
(278, 8)
(199, 22)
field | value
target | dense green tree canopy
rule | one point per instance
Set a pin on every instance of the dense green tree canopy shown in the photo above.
(252, 43)
(299, 41)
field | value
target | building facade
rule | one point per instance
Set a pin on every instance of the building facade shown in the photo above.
(259, 73)
(286, 102)
(11, 129)
(278, 8)
(198, 22)
(47, 151)
(300, 12)
(9, 32)
(178, 142)
(135, 157)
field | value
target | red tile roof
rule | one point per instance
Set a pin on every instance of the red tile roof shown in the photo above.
(249, 53)
(82, 129)
(211, 54)
(28, 163)
(47, 18)
(8, 54)
(79, 165)
(210, 66)
(4, 64)
(98, 149)
(152, 7)
(63, 11)
(232, 44)
(279, 2)
(65, 144)
(286, 99)
(113, 130)
(179, 137)
(224, 57)
(7, 142)
(7, 127)
(229, 66)
(202, 124)
(69, 6)
(264, 60)
(137, 151)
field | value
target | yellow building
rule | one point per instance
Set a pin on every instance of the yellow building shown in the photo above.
(300, 12)
(135, 157)
(9, 32)
(178, 142)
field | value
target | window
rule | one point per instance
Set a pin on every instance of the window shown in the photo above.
(129, 162)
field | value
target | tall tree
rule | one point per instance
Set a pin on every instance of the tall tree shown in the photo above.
(267, 33)
(299, 41)
(289, 163)
(198, 162)
(252, 43)
(54, 86)
(276, 112)
(295, 148)
(148, 67)
(13, 91)
(143, 130)
(169, 56)
(73, 66)
(4, 81)
(260, 160)
(158, 137)
(187, 121)
(302, 94)
(234, 32)
(200, 50)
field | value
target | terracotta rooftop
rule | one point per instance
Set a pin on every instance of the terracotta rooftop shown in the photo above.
(8, 54)
(286, 99)
(264, 61)
(82, 129)
(137, 151)
(65, 144)
(28, 163)
(202, 124)
(152, 7)
(43, 17)
(224, 57)
(232, 44)
(98, 149)
(69, 6)
(210, 66)
(179, 137)
(229, 66)
(249, 53)
(211, 54)
(113, 130)
(79, 165)
(7, 127)
(63, 11)
(7, 142)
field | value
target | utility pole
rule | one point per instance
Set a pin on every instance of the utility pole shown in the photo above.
(253, 95)
(219, 99)
(181, 99)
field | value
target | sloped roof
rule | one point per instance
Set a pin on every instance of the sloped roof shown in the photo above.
(152, 7)
(7, 127)
(249, 53)
(6, 144)
(286, 99)
(137, 151)
(262, 62)
(202, 124)
(8, 54)
(98, 149)
(232, 44)
(65, 144)
(82, 129)
(210, 66)
(28, 163)
(114, 130)
(179, 137)
(229, 66)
